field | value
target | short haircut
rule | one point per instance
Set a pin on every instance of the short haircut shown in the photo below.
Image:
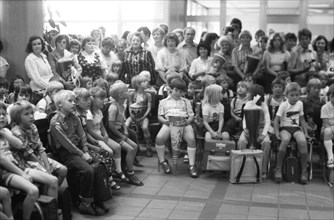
(236, 21)
(247, 33)
(111, 77)
(314, 82)
(330, 91)
(260, 33)
(31, 39)
(278, 81)
(224, 78)
(61, 96)
(165, 27)
(61, 37)
(264, 39)
(116, 62)
(291, 36)
(74, 42)
(145, 73)
(171, 76)
(171, 36)
(136, 80)
(159, 30)
(17, 110)
(242, 84)
(212, 94)
(146, 31)
(136, 34)
(102, 83)
(84, 80)
(178, 83)
(320, 37)
(188, 28)
(85, 41)
(209, 37)
(304, 32)
(116, 89)
(255, 90)
(54, 85)
(81, 93)
(292, 87)
(24, 89)
(98, 92)
(208, 80)
(204, 45)
(4, 82)
(108, 41)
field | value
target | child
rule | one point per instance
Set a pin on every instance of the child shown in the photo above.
(5, 204)
(147, 75)
(323, 77)
(116, 67)
(224, 81)
(86, 82)
(141, 98)
(256, 91)
(164, 90)
(285, 75)
(16, 83)
(46, 104)
(289, 117)
(120, 47)
(16, 173)
(233, 125)
(172, 102)
(249, 79)
(74, 46)
(111, 79)
(4, 85)
(327, 116)
(206, 81)
(71, 145)
(96, 148)
(119, 132)
(22, 115)
(213, 112)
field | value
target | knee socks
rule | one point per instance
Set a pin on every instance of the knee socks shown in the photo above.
(118, 165)
(192, 155)
(161, 152)
(328, 145)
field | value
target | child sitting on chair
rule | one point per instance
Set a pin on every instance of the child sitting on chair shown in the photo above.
(147, 75)
(46, 104)
(256, 100)
(173, 102)
(289, 117)
(327, 116)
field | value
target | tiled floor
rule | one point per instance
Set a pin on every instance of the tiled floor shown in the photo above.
(211, 196)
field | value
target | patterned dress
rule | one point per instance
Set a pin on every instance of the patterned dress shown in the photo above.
(91, 67)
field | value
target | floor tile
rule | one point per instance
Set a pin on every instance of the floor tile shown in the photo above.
(261, 211)
(162, 204)
(223, 216)
(155, 213)
(190, 206)
(322, 215)
(234, 209)
(180, 214)
(293, 214)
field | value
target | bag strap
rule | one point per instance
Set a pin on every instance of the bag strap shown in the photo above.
(258, 169)
(237, 179)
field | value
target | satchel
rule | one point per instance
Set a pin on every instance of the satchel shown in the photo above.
(246, 166)
(102, 190)
(65, 202)
(49, 207)
(291, 171)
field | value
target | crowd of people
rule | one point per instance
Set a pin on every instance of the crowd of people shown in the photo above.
(95, 89)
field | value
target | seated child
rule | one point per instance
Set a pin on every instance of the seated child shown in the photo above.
(164, 90)
(213, 112)
(285, 75)
(16, 83)
(22, 115)
(111, 78)
(5, 203)
(289, 117)
(116, 67)
(173, 102)
(119, 132)
(323, 77)
(206, 81)
(233, 125)
(147, 75)
(227, 94)
(71, 145)
(46, 104)
(256, 100)
(4, 85)
(86, 82)
(102, 83)
(327, 116)
(249, 79)
(143, 100)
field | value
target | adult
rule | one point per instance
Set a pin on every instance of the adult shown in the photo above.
(320, 46)
(69, 76)
(37, 65)
(158, 37)
(136, 60)
(239, 56)
(107, 52)
(237, 26)
(302, 62)
(290, 41)
(276, 58)
(225, 47)
(97, 35)
(146, 34)
(92, 64)
(179, 34)
(211, 39)
(201, 65)
(188, 47)
(170, 59)
(4, 66)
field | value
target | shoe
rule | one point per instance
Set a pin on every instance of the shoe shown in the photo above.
(133, 180)
(101, 206)
(149, 152)
(193, 172)
(330, 163)
(278, 175)
(137, 164)
(90, 210)
(264, 176)
(114, 186)
(303, 177)
(166, 167)
(122, 177)
(186, 159)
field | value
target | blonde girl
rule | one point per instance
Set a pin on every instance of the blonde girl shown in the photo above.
(116, 67)
(213, 112)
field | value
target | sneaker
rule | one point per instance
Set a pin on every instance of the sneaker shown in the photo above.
(166, 167)
(303, 177)
(137, 164)
(330, 163)
(133, 180)
(149, 152)
(186, 159)
(278, 175)
(90, 210)
(114, 186)
(193, 172)
(122, 177)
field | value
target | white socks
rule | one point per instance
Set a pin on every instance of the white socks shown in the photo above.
(118, 165)
(328, 145)
(192, 155)
(161, 152)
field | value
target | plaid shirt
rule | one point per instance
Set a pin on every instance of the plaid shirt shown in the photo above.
(239, 56)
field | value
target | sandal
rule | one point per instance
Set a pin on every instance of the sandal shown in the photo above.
(114, 186)
(122, 177)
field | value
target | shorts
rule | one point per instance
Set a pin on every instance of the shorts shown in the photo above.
(54, 165)
(5, 177)
(291, 130)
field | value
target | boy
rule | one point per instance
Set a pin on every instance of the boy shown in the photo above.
(291, 41)
(111, 78)
(172, 102)
(287, 122)
(46, 104)
(327, 116)
(119, 132)
(71, 144)
(234, 123)
(263, 138)
(4, 86)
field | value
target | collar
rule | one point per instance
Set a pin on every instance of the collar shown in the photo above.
(169, 97)
(302, 50)
(63, 117)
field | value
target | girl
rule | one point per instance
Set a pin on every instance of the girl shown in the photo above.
(98, 148)
(116, 67)
(142, 99)
(86, 82)
(16, 83)
(224, 81)
(15, 171)
(22, 115)
(213, 112)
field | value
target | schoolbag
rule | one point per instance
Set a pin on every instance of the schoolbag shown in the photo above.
(291, 170)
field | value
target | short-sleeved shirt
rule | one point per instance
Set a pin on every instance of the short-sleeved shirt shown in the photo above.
(327, 112)
(116, 114)
(170, 104)
(96, 118)
(276, 59)
(212, 112)
(236, 105)
(239, 56)
(290, 114)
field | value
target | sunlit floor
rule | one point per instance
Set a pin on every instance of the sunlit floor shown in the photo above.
(211, 196)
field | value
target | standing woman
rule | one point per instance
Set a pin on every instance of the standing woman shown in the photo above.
(170, 59)
(158, 35)
(136, 60)
(225, 47)
(97, 36)
(211, 39)
(90, 61)
(37, 66)
(201, 65)
(70, 76)
(4, 66)
(276, 59)
(320, 46)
